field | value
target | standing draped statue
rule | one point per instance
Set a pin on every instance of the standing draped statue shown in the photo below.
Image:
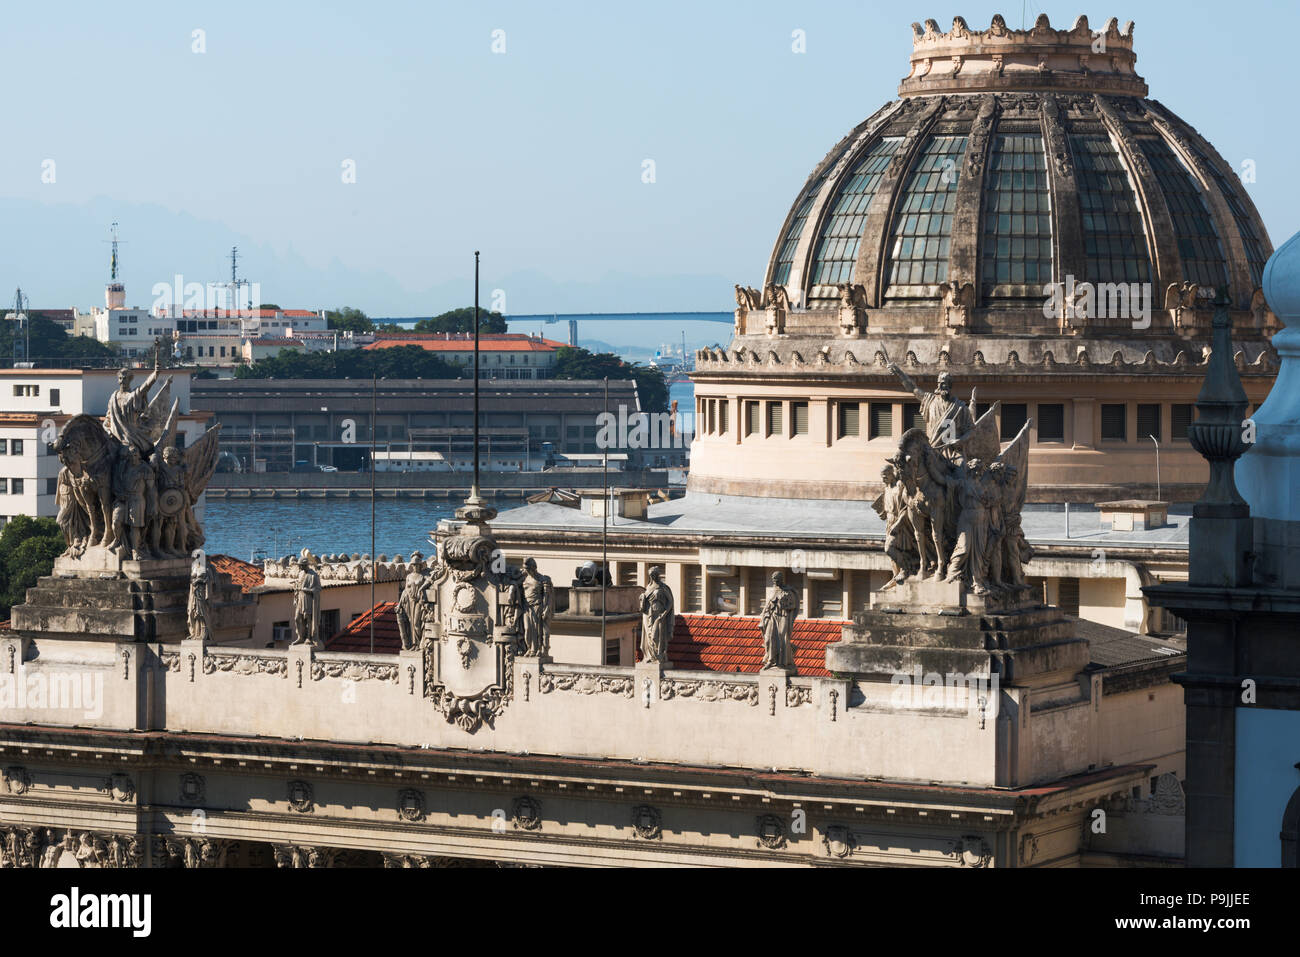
(198, 611)
(306, 605)
(778, 624)
(657, 618)
(539, 604)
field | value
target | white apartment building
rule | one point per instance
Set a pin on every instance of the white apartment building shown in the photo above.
(36, 403)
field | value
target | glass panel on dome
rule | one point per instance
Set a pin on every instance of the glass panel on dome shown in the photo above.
(1113, 233)
(923, 223)
(837, 246)
(1198, 240)
(1232, 192)
(1017, 254)
(790, 242)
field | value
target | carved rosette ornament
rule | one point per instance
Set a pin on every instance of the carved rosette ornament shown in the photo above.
(771, 832)
(647, 822)
(527, 814)
(838, 841)
(410, 805)
(971, 851)
(301, 798)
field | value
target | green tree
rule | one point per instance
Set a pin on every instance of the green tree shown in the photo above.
(395, 362)
(574, 362)
(462, 320)
(348, 319)
(28, 547)
(49, 341)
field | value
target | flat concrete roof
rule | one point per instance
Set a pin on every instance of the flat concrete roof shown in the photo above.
(704, 514)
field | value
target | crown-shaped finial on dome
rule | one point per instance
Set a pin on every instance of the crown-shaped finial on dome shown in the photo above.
(1079, 59)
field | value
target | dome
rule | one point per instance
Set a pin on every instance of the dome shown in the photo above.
(1025, 219)
(1014, 159)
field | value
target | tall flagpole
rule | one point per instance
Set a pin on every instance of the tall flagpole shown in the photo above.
(474, 496)
(374, 389)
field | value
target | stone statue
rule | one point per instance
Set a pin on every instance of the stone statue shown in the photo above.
(539, 605)
(512, 610)
(131, 416)
(410, 607)
(778, 624)
(893, 507)
(976, 493)
(124, 484)
(947, 419)
(957, 518)
(198, 612)
(135, 499)
(306, 605)
(657, 618)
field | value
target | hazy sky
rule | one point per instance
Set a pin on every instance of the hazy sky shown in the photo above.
(534, 155)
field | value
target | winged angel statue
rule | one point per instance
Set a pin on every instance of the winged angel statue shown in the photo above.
(125, 485)
(952, 510)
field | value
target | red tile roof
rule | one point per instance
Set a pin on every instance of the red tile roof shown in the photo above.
(731, 643)
(699, 643)
(463, 342)
(356, 636)
(244, 574)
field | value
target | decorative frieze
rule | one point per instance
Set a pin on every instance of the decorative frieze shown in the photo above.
(708, 690)
(586, 683)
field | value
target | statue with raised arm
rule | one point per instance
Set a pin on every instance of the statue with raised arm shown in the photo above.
(539, 605)
(777, 623)
(657, 618)
(132, 418)
(947, 419)
(306, 605)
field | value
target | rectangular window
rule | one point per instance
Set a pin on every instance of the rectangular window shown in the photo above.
(799, 417)
(4, 446)
(774, 421)
(882, 420)
(912, 417)
(16, 486)
(16, 447)
(329, 623)
(1014, 417)
(693, 588)
(723, 407)
(51, 486)
(756, 578)
(725, 595)
(848, 419)
(751, 418)
(1067, 596)
(280, 631)
(54, 398)
(1114, 423)
(827, 599)
(1180, 417)
(4, 486)
(1051, 422)
(1148, 421)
